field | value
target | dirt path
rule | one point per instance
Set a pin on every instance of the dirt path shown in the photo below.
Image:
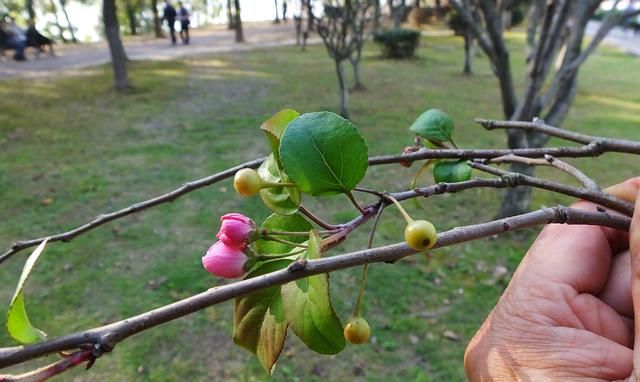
(210, 40)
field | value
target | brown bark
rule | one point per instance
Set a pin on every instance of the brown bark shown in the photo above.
(118, 56)
(157, 23)
(66, 16)
(238, 22)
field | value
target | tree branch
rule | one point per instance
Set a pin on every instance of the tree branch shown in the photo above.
(549, 161)
(591, 150)
(105, 338)
(607, 144)
(593, 195)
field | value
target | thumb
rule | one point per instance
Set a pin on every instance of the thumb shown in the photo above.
(634, 250)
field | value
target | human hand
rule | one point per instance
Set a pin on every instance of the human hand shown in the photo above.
(567, 313)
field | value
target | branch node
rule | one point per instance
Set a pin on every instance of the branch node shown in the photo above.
(600, 209)
(561, 216)
(506, 226)
(297, 265)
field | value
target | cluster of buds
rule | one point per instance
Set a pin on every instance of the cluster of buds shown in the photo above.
(228, 257)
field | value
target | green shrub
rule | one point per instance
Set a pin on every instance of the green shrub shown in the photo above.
(397, 43)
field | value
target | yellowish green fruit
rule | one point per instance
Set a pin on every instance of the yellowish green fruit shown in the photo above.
(357, 331)
(247, 182)
(420, 235)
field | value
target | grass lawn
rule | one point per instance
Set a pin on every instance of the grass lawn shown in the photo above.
(71, 148)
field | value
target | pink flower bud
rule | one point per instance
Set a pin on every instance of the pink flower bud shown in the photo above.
(236, 230)
(224, 261)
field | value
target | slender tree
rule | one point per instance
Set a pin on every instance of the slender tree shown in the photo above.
(157, 23)
(30, 10)
(230, 17)
(277, 19)
(341, 28)
(54, 10)
(118, 56)
(238, 22)
(130, 10)
(66, 16)
(556, 31)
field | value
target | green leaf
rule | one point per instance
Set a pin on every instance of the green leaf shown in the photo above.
(259, 322)
(323, 153)
(308, 309)
(290, 223)
(281, 200)
(451, 171)
(274, 127)
(435, 126)
(18, 324)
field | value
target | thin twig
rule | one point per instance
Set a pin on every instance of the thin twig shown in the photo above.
(590, 150)
(106, 337)
(549, 161)
(316, 219)
(593, 195)
(51, 370)
(608, 144)
(134, 208)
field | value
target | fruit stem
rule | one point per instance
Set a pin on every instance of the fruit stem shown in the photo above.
(365, 268)
(402, 211)
(355, 202)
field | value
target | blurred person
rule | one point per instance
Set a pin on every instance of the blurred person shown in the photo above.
(13, 37)
(169, 14)
(284, 11)
(183, 16)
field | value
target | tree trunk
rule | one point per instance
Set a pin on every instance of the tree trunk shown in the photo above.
(517, 200)
(157, 23)
(468, 52)
(238, 22)
(376, 16)
(118, 56)
(30, 10)
(230, 21)
(355, 63)
(66, 16)
(344, 91)
(277, 20)
(54, 9)
(131, 17)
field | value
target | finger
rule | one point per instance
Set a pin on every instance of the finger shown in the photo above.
(601, 319)
(617, 292)
(576, 255)
(634, 251)
(627, 190)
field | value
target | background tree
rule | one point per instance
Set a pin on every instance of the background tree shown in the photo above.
(157, 22)
(277, 19)
(237, 22)
(63, 7)
(460, 27)
(552, 25)
(363, 25)
(342, 28)
(118, 56)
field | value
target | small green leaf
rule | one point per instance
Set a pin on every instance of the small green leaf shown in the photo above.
(451, 171)
(281, 200)
(308, 309)
(274, 127)
(259, 322)
(18, 324)
(323, 153)
(435, 126)
(290, 223)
